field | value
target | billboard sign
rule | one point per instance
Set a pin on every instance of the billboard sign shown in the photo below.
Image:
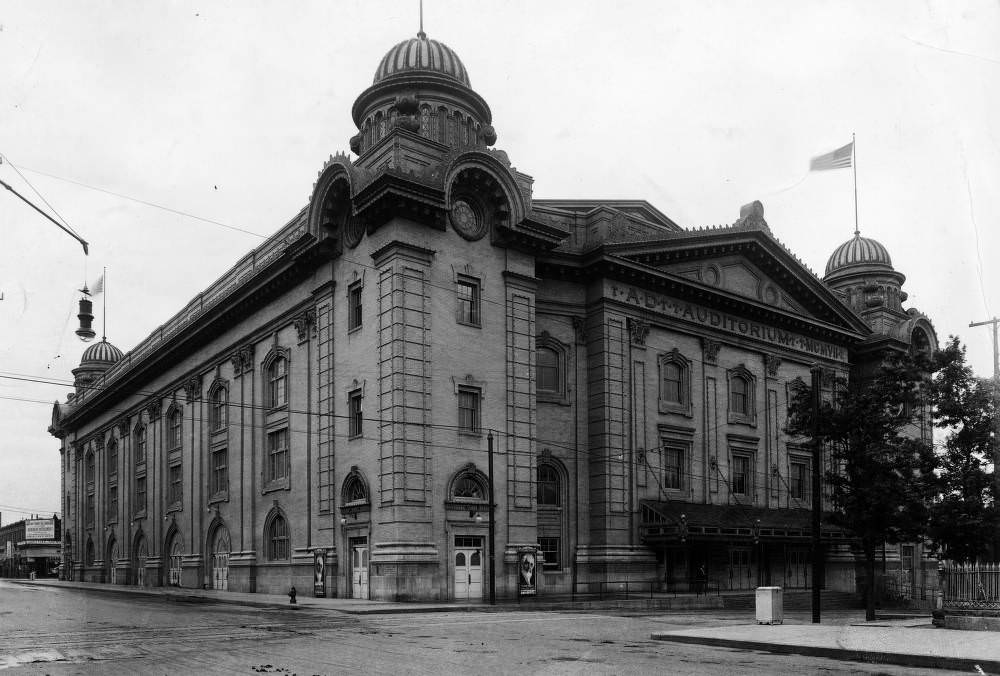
(40, 529)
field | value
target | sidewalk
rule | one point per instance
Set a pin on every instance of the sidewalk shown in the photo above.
(367, 607)
(910, 642)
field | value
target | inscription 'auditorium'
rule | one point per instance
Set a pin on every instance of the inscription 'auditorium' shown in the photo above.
(721, 320)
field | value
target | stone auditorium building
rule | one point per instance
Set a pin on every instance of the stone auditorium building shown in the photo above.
(321, 416)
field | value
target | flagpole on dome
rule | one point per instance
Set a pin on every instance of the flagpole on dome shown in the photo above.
(421, 34)
(104, 318)
(854, 165)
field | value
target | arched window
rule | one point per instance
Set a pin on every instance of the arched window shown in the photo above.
(549, 488)
(355, 491)
(742, 406)
(547, 370)
(672, 383)
(277, 382)
(90, 467)
(675, 383)
(277, 539)
(140, 444)
(218, 411)
(112, 458)
(469, 486)
(175, 429)
(89, 553)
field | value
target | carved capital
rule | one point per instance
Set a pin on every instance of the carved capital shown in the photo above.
(580, 329)
(638, 330)
(305, 324)
(123, 427)
(192, 388)
(771, 364)
(154, 408)
(710, 350)
(827, 377)
(242, 360)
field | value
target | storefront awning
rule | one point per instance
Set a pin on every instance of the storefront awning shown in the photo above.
(681, 521)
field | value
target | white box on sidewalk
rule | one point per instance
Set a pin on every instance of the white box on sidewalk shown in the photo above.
(770, 608)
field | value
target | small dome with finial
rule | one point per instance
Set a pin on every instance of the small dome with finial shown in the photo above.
(421, 54)
(858, 252)
(101, 354)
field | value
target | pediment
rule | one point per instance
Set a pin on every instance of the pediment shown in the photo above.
(738, 275)
(746, 263)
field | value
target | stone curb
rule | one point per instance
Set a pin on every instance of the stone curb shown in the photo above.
(867, 656)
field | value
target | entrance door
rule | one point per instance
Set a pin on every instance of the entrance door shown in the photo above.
(359, 568)
(907, 578)
(468, 568)
(797, 562)
(139, 562)
(112, 562)
(174, 568)
(220, 559)
(740, 570)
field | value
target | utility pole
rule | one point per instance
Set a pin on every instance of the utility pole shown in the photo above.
(996, 420)
(817, 503)
(492, 534)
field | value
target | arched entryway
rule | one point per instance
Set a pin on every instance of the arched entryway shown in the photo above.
(111, 561)
(174, 549)
(219, 558)
(139, 556)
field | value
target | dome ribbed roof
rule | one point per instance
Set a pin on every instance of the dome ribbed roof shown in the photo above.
(102, 353)
(422, 54)
(858, 251)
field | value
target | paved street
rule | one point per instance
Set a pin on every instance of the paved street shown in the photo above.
(69, 631)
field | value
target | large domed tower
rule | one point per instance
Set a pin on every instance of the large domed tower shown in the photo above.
(96, 359)
(422, 86)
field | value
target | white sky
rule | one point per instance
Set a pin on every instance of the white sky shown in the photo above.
(227, 110)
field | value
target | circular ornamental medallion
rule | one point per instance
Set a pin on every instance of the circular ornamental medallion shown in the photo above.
(466, 221)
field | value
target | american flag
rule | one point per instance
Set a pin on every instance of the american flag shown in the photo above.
(836, 159)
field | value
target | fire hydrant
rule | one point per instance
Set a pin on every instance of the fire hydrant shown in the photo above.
(291, 595)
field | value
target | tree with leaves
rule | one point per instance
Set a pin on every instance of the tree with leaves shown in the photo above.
(882, 480)
(964, 518)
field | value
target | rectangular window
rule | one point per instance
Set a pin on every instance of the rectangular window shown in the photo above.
(354, 306)
(468, 301)
(90, 509)
(176, 490)
(798, 481)
(140, 446)
(673, 467)
(140, 494)
(113, 460)
(220, 471)
(112, 503)
(550, 552)
(468, 409)
(277, 455)
(90, 468)
(354, 410)
(741, 475)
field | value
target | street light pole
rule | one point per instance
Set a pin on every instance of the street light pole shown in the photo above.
(817, 503)
(492, 523)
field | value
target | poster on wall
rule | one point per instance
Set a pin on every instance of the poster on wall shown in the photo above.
(319, 573)
(526, 571)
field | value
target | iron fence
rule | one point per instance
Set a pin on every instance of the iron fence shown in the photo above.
(971, 586)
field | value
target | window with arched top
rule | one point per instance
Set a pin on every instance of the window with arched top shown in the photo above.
(175, 428)
(742, 396)
(91, 465)
(139, 454)
(112, 450)
(675, 383)
(469, 486)
(550, 369)
(549, 486)
(277, 382)
(218, 410)
(355, 490)
(277, 539)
